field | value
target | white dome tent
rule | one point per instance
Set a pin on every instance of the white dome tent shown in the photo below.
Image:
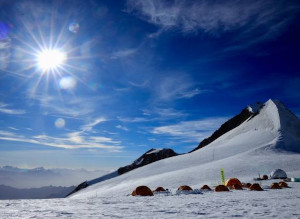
(278, 174)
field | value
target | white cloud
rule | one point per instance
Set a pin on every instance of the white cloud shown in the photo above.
(154, 114)
(4, 108)
(73, 107)
(104, 140)
(13, 128)
(72, 140)
(191, 93)
(5, 45)
(122, 127)
(5, 133)
(89, 126)
(176, 86)
(141, 85)
(123, 53)
(267, 18)
(69, 141)
(193, 131)
(165, 113)
(134, 119)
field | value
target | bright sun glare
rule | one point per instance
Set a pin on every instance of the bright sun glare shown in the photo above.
(51, 59)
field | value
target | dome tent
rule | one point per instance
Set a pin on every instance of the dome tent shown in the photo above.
(221, 188)
(283, 185)
(159, 189)
(142, 191)
(256, 187)
(275, 186)
(184, 188)
(233, 181)
(206, 187)
(278, 174)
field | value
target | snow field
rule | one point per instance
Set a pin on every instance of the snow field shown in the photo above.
(284, 203)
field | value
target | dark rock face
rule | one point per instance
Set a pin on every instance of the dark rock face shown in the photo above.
(149, 157)
(79, 187)
(227, 126)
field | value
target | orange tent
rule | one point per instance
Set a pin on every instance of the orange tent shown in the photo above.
(206, 187)
(233, 181)
(283, 185)
(184, 188)
(142, 191)
(221, 188)
(237, 187)
(275, 186)
(159, 189)
(247, 185)
(256, 187)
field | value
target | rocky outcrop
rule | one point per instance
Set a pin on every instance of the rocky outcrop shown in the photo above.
(79, 187)
(149, 157)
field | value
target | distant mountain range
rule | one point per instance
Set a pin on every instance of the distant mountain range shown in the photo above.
(8, 192)
(260, 138)
(39, 177)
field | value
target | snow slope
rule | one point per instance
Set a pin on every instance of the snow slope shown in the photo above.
(269, 140)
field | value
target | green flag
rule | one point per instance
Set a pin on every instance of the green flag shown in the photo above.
(222, 176)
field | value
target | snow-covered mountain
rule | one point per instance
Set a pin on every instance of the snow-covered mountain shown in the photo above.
(269, 139)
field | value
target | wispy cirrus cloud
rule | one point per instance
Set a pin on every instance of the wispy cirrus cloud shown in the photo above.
(154, 114)
(191, 131)
(5, 108)
(5, 44)
(123, 53)
(159, 113)
(134, 119)
(176, 86)
(84, 137)
(67, 141)
(124, 128)
(66, 106)
(264, 19)
(89, 126)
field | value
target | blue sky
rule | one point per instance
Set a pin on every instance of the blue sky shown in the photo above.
(139, 74)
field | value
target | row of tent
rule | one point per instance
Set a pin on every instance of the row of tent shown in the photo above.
(232, 183)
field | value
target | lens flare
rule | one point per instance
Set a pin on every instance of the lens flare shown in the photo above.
(67, 83)
(60, 123)
(74, 27)
(51, 59)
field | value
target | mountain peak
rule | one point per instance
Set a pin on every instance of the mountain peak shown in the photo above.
(254, 108)
(273, 115)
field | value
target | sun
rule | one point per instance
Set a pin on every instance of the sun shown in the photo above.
(51, 59)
